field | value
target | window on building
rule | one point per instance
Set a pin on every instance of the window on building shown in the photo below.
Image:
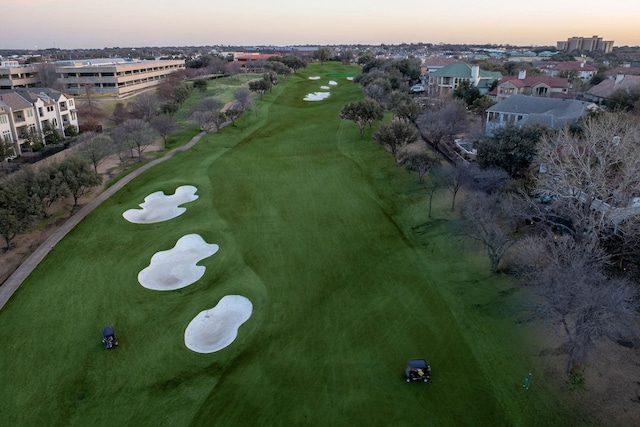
(4, 120)
(29, 113)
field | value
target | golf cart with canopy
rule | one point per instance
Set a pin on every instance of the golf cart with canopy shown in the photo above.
(417, 370)
(109, 337)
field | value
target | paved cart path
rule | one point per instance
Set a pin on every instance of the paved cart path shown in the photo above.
(15, 280)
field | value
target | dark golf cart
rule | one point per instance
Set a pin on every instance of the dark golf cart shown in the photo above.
(109, 337)
(417, 370)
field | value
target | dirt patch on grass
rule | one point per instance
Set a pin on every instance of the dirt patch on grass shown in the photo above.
(605, 387)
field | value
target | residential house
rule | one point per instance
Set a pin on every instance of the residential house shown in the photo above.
(570, 69)
(30, 112)
(544, 86)
(5, 126)
(54, 109)
(525, 110)
(22, 119)
(434, 63)
(603, 90)
(447, 79)
(114, 76)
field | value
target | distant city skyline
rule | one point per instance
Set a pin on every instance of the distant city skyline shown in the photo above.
(72, 24)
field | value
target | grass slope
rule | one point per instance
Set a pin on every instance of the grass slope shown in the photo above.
(328, 240)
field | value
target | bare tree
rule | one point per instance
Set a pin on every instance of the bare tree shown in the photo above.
(145, 107)
(219, 118)
(165, 126)
(204, 120)
(48, 76)
(457, 177)
(573, 292)
(95, 147)
(593, 175)
(134, 134)
(444, 120)
(119, 114)
(90, 113)
(243, 99)
(488, 180)
(489, 219)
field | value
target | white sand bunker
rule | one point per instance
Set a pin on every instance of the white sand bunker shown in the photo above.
(176, 268)
(214, 329)
(325, 87)
(333, 83)
(349, 78)
(158, 207)
(316, 96)
(314, 78)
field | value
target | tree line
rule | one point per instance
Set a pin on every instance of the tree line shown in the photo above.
(557, 210)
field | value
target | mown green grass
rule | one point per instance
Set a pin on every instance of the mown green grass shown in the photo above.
(348, 279)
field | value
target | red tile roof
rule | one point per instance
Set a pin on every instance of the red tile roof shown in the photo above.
(567, 66)
(531, 81)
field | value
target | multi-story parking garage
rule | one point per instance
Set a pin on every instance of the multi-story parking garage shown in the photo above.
(114, 77)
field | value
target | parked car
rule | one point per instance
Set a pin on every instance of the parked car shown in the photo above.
(417, 88)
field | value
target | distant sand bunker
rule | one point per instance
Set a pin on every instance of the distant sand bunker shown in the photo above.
(325, 87)
(158, 207)
(176, 268)
(214, 329)
(316, 96)
(333, 83)
(314, 78)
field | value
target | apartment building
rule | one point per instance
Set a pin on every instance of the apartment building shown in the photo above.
(113, 76)
(29, 112)
(586, 44)
(13, 75)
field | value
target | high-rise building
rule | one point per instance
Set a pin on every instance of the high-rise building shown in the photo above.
(590, 44)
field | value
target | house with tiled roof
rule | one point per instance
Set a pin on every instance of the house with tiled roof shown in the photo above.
(544, 86)
(33, 111)
(434, 63)
(447, 79)
(603, 90)
(580, 69)
(525, 110)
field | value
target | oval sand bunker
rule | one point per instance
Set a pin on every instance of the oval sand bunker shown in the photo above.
(214, 329)
(176, 268)
(158, 207)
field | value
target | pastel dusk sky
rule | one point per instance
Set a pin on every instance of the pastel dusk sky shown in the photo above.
(30, 24)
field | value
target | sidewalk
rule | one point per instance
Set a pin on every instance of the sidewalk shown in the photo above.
(15, 280)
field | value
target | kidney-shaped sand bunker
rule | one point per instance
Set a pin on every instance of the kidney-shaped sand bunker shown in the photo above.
(214, 329)
(176, 268)
(158, 207)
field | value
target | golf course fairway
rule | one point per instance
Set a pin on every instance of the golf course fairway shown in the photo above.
(346, 275)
